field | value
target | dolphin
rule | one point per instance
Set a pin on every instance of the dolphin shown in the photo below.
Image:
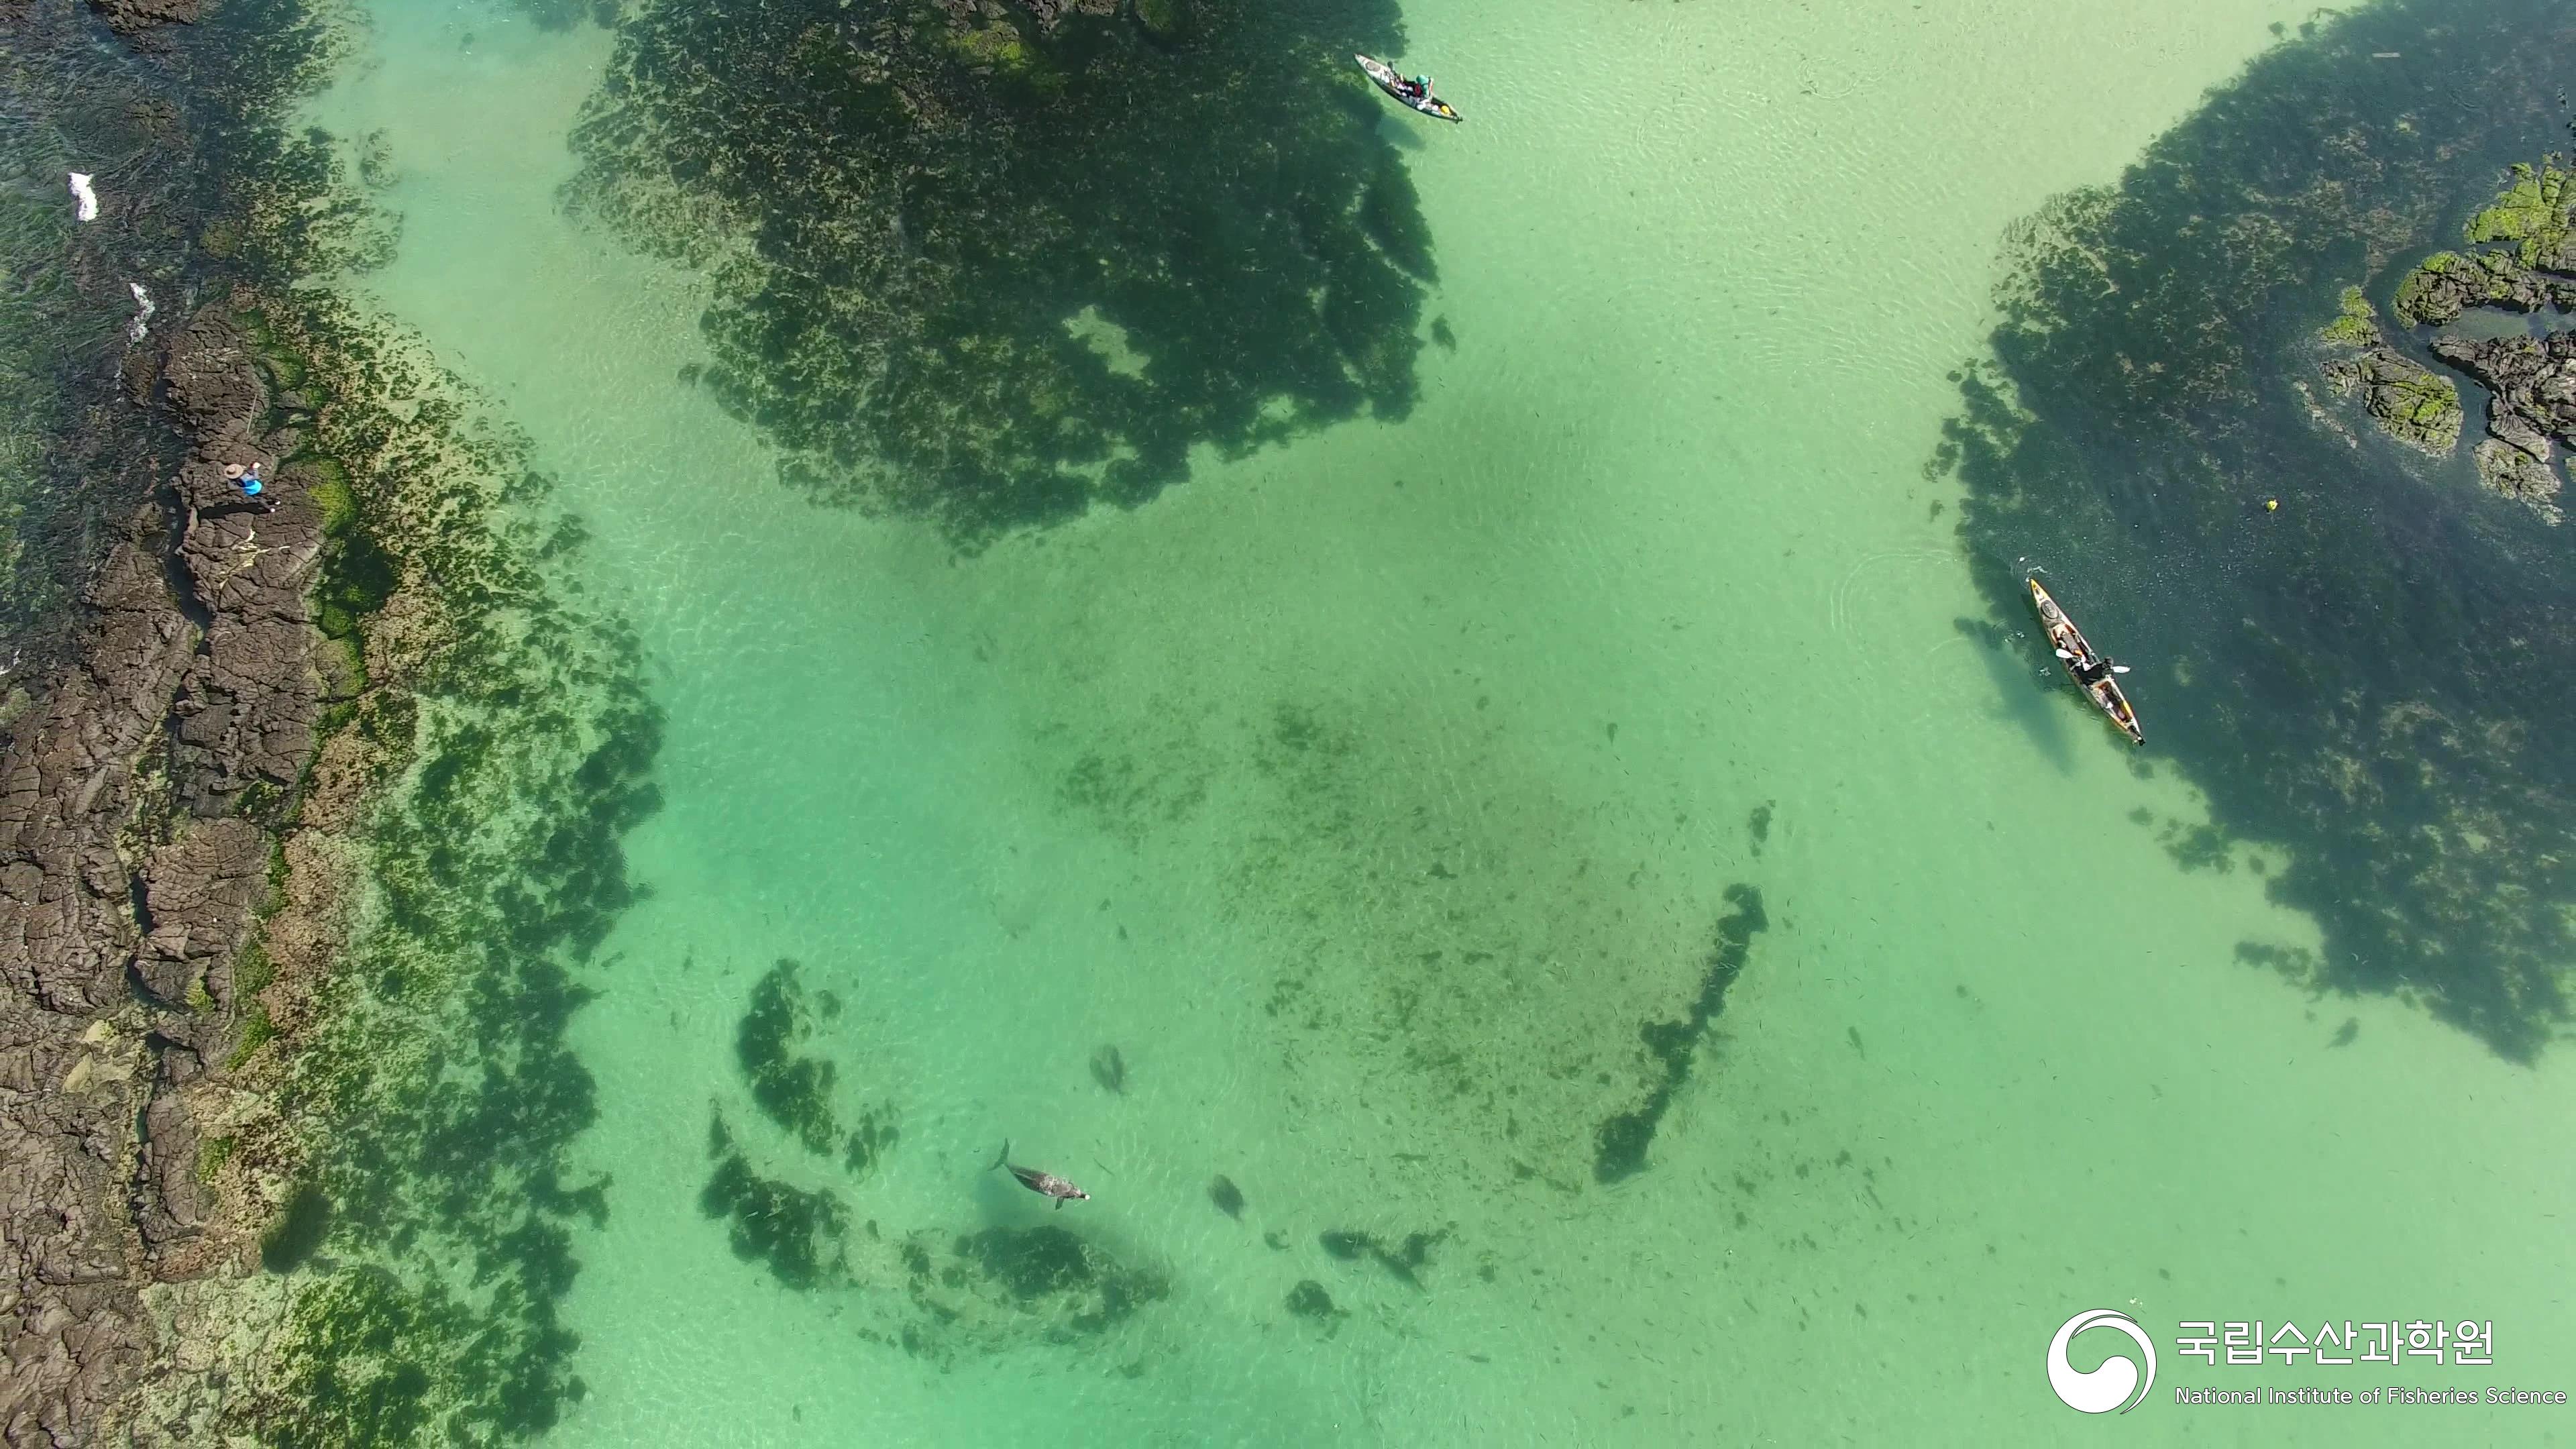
(1044, 1184)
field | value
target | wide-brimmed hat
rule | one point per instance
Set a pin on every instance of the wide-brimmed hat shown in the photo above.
(232, 470)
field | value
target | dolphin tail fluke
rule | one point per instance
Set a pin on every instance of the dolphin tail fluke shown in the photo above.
(1003, 1156)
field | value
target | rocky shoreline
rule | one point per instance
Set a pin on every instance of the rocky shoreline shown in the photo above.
(134, 877)
(300, 843)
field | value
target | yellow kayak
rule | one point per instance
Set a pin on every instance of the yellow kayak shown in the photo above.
(2067, 640)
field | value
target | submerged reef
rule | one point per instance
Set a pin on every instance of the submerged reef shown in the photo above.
(987, 265)
(793, 1091)
(1670, 1045)
(500, 745)
(796, 1233)
(2371, 678)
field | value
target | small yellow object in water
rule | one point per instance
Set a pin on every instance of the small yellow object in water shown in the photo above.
(2271, 505)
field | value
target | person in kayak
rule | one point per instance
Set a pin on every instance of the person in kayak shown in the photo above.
(1419, 88)
(2096, 671)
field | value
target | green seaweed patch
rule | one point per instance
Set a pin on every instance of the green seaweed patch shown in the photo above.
(871, 1140)
(256, 1031)
(1621, 1144)
(212, 1154)
(891, 321)
(2532, 214)
(791, 1090)
(2197, 847)
(503, 772)
(2357, 323)
(1405, 1259)
(1050, 1268)
(508, 768)
(1169, 21)
(796, 1233)
(2296, 965)
(371, 1357)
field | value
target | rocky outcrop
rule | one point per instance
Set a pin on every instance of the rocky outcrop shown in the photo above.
(135, 843)
(2531, 402)
(2446, 284)
(2416, 406)
(2531, 381)
(131, 18)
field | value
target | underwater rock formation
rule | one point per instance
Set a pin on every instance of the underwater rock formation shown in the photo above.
(1309, 1300)
(2371, 676)
(1032, 252)
(1227, 1197)
(1622, 1141)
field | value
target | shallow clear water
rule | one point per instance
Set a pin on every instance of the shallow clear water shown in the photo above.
(1368, 795)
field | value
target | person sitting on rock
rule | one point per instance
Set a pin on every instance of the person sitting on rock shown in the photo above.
(254, 489)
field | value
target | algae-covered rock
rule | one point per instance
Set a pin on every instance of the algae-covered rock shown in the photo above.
(2531, 380)
(2532, 214)
(2412, 403)
(2446, 284)
(2515, 474)
(2357, 325)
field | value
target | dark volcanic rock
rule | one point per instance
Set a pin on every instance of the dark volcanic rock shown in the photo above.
(125, 866)
(2533, 379)
(2531, 384)
(130, 18)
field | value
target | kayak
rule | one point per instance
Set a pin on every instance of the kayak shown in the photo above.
(2062, 634)
(1394, 85)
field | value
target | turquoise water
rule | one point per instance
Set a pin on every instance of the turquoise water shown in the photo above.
(1369, 793)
